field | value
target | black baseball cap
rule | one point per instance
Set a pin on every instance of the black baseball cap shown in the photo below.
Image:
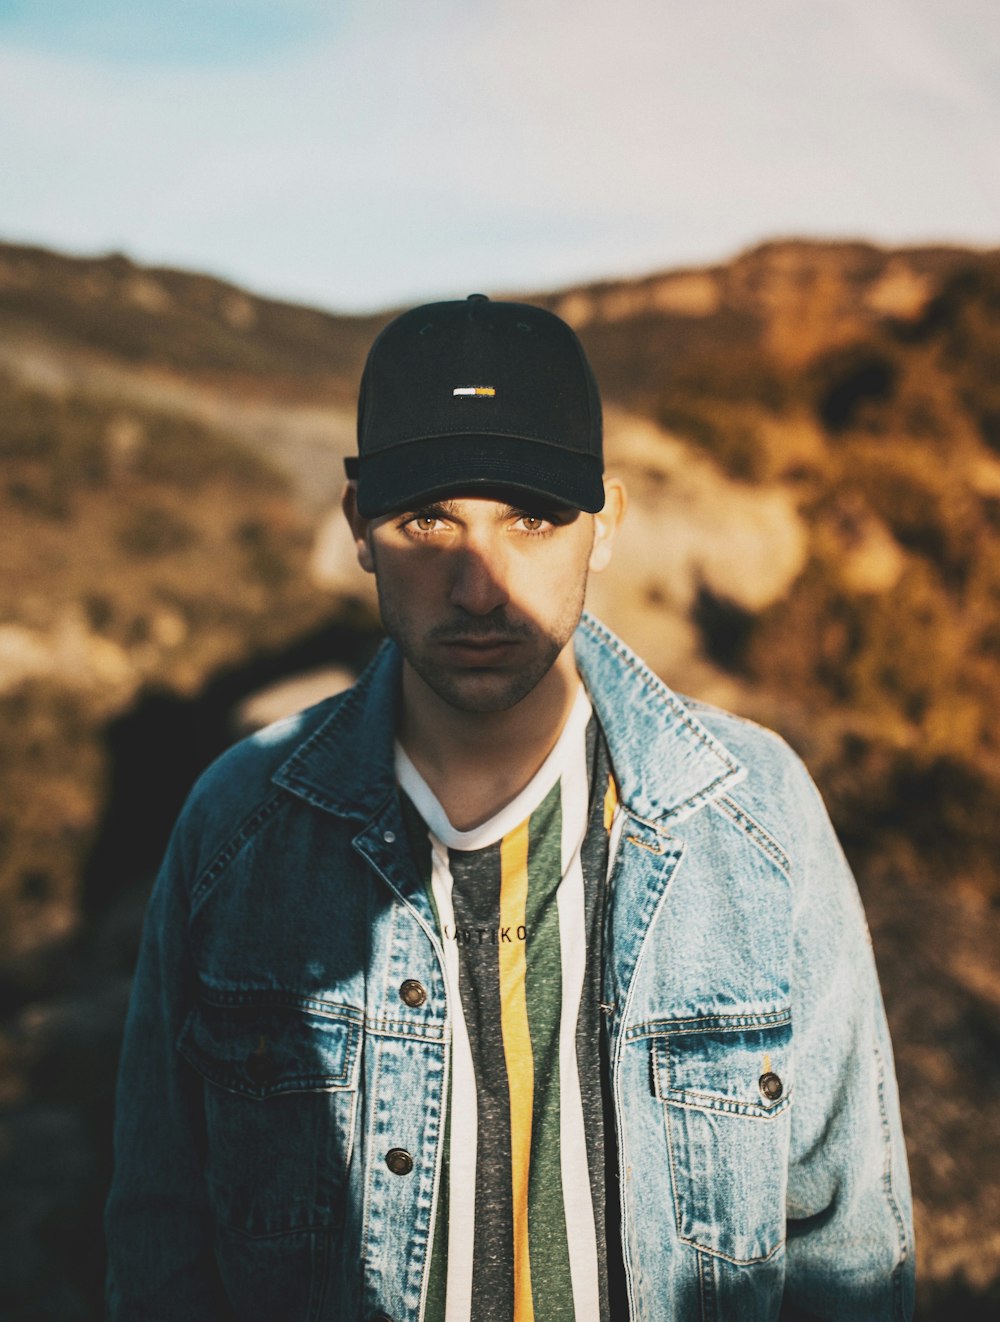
(477, 394)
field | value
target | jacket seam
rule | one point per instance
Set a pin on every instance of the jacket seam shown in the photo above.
(312, 1228)
(395, 1029)
(728, 1257)
(321, 1269)
(650, 683)
(890, 1196)
(289, 774)
(724, 1105)
(756, 833)
(697, 705)
(714, 1023)
(706, 1287)
(282, 998)
(320, 735)
(245, 832)
(372, 1173)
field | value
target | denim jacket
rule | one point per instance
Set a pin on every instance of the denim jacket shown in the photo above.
(284, 1076)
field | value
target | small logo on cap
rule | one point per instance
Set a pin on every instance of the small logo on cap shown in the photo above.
(487, 391)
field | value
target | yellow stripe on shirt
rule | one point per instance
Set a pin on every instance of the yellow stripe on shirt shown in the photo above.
(610, 803)
(517, 1051)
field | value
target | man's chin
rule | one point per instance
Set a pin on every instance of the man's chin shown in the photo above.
(481, 691)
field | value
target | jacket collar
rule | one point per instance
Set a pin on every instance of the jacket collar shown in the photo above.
(666, 762)
(346, 765)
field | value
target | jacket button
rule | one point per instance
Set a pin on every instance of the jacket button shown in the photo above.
(413, 993)
(399, 1161)
(771, 1087)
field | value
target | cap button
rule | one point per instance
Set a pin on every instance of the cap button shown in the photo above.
(478, 298)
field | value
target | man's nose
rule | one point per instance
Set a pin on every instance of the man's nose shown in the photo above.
(478, 583)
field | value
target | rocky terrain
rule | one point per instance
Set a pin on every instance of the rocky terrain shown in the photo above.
(811, 438)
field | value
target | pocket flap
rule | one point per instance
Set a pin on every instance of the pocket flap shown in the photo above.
(744, 1068)
(264, 1050)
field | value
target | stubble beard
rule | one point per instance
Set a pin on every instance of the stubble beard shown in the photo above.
(482, 690)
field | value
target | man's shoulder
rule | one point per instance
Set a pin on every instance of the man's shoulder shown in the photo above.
(770, 761)
(777, 790)
(748, 740)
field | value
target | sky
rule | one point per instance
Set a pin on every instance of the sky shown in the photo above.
(361, 154)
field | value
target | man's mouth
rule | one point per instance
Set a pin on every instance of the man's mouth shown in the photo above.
(494, 640)
(484, 648)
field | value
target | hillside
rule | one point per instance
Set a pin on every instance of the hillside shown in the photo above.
(811, 437)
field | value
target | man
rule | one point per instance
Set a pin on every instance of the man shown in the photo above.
(507, 984)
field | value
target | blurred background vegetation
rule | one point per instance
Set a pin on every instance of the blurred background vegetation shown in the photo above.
(811, 434)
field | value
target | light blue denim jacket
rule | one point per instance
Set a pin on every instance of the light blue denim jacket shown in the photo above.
(271, 1062)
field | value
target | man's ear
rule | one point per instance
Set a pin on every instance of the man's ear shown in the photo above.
(607, 522)
(359, 526)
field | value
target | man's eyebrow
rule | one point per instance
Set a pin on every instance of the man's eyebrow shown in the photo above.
(433, 508)
(541, 509)
(448, 508)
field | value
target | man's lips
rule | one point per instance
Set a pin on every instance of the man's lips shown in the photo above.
(496, 640)
(478, 647)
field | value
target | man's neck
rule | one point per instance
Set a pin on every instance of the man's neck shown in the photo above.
(477, 762)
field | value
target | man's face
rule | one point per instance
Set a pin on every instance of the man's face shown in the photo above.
(481, 596)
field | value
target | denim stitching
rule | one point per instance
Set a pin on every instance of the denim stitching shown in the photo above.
(650, 681)
(315, 1082)
(726, 1257)
(673, 1165)
(284, 998)
(708, 1101)
(739, 1262)
(764, 841)
(373, 1164)
(717, 1023)
(321, 1254)
(243, 834)
(397, 1029)
(897, 1275)
(701, 1248)
(724, 1105)
(309, 1229)
(706, 1288)
(345, 707)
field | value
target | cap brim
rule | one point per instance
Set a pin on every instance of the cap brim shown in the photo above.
(427, 469)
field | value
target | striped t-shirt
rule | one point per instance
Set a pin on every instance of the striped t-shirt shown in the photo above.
(521, 1229)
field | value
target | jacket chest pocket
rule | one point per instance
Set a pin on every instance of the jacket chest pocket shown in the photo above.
(280, 1101)
(727, 1096)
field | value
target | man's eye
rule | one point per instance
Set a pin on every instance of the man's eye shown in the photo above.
(532, 522)
(425, 523)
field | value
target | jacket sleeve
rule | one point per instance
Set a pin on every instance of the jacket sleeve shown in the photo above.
(158, 1224)
(849, 1249)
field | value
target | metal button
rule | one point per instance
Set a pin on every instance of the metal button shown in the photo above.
(413, 993)
(389, 837)
(399, 1161)
(771, 1087)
